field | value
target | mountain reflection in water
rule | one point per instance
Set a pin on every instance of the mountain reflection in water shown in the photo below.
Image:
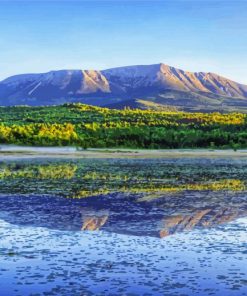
(136, 197)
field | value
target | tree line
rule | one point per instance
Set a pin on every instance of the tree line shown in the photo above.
(88, 126)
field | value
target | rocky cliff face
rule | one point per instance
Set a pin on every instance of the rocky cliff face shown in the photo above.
(163, 77)
(119, 87)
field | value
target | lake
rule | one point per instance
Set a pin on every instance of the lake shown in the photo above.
(171, 226)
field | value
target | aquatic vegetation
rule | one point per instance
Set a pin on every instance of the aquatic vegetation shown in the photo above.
(59, 171)
(148, 179)
(221, 185)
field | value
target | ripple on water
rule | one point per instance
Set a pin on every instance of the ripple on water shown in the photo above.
(51, 262)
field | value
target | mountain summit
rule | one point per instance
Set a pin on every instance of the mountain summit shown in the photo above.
(145, 86)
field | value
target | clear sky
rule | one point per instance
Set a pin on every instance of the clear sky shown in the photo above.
(201, 35)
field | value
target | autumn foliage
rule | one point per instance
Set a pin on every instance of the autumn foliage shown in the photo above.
(88, 126)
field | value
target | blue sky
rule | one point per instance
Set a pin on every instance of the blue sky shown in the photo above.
(38, 36)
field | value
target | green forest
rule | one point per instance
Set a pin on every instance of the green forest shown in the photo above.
(87, 126)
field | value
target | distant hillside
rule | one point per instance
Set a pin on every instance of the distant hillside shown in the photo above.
(152, 85)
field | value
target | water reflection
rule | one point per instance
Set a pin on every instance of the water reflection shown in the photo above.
(92, 220)
(120, 213)
(137, 197)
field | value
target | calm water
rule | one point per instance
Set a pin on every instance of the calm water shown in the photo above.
(123, 227)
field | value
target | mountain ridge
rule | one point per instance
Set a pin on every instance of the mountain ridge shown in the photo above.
(158, 83)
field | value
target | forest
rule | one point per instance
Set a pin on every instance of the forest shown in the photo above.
(86, 126)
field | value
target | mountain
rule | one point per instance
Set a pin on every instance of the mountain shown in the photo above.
(156, 86)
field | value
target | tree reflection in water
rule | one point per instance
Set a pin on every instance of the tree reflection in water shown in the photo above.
(138, 197)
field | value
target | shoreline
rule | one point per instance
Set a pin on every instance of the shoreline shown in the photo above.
(11, 151)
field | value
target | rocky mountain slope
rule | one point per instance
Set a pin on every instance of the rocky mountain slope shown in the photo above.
(152, 86)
